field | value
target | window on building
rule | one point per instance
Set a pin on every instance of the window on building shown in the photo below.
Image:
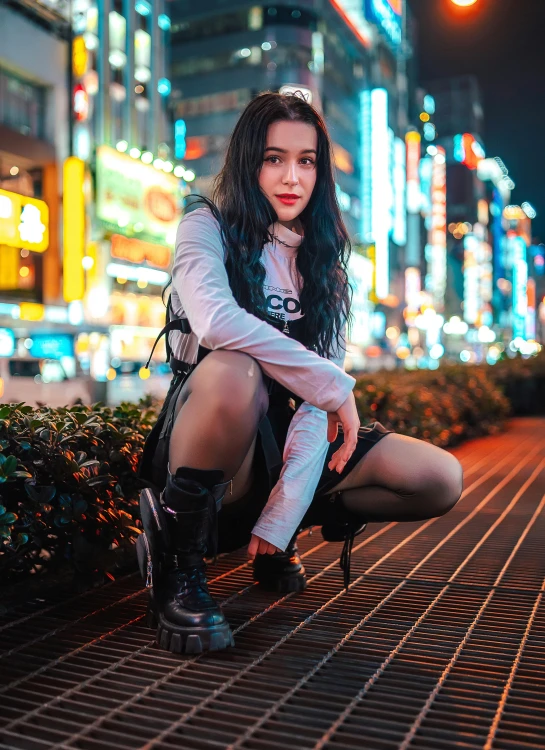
(22, 104)
(280, 15)
(226, 101)
(286, 55)
(224, 23)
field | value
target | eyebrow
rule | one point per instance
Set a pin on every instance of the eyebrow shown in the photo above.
(284, 151)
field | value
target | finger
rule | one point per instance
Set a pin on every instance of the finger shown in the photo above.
(272, 549)
(263, 547)
(252, 547)
(341, 457)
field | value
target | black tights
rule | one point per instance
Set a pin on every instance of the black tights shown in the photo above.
(218, 413)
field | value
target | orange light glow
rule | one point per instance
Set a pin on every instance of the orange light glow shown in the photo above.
(464, 3)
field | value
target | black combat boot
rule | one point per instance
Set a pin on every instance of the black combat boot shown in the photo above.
(282, 572)
(177, 533)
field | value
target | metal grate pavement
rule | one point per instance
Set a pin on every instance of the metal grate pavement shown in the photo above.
(438, 643)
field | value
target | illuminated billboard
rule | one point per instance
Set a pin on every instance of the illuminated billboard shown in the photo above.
(399, 181)
(436, 251)
(133, 197)
(387, 15)
(377, 190)
(468, 151)
(24, 222)
(413, 146)
(517, 248)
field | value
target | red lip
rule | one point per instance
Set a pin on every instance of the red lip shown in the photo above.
(289, 196)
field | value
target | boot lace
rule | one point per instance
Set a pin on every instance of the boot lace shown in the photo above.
(346, 557)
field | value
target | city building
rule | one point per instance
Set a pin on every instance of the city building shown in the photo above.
(36, 327)
(129, 184)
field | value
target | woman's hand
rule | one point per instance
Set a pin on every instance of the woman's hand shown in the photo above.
(259, 546)
(347, 415)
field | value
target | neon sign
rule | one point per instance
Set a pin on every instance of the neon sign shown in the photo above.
(413, 145)
(468, 151)
(24, 222)
(388, 16)
(377, 192)
(437, 236)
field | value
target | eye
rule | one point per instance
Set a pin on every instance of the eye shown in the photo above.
(270, 158)
(308, 160)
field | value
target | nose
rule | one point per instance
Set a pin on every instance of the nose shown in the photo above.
(290, 177)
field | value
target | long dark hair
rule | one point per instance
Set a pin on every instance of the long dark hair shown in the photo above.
(244, 215)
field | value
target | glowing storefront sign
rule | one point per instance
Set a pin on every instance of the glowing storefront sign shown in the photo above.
(388, 16)
(468, 151)
(413, 146)
(376, 183)
(136, 197)
(399, 179)
(74, 229)
(31, 311)
(478, 280)
(137, 251)
(24, 222)
(7, 342)
(531, 314)
(52, 346)
(412, 289)
(137, 273)
(520, 285)
(436, 251)
(80, 57)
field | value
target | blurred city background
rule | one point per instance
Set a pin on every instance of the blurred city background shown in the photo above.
(112, 112)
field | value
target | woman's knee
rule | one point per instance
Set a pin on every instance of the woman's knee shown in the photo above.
(444, 485)
(231, 382)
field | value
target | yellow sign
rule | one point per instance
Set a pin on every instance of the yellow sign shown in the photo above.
(31, 311)
(372, 255)
(24, 222)
(74, 229)
(80, 57)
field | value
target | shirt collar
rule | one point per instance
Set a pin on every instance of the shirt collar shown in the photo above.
(292, 240)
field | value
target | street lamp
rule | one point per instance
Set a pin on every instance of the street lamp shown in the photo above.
(464, 3)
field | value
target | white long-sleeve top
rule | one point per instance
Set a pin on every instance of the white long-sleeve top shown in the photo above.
(201, 292)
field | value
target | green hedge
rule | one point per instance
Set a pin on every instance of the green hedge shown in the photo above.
(444, 407)
(68, 484)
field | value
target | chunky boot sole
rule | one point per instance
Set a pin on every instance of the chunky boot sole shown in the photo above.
(282, 584)
(177, 640)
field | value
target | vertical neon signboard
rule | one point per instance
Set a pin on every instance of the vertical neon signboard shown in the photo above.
(413, 146)
(437, 235)
(399, 180)
(520, 286)
(376, 184)
(472, 301)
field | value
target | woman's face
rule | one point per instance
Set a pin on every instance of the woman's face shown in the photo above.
(288, 174)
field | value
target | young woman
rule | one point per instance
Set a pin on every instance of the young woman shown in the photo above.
(260, 297)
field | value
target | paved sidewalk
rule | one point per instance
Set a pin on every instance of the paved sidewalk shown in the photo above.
(439, 642)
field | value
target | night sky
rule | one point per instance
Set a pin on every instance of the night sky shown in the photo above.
(502, 42)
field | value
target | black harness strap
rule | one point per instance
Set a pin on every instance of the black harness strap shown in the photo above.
(271, 452)
(178, 324)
